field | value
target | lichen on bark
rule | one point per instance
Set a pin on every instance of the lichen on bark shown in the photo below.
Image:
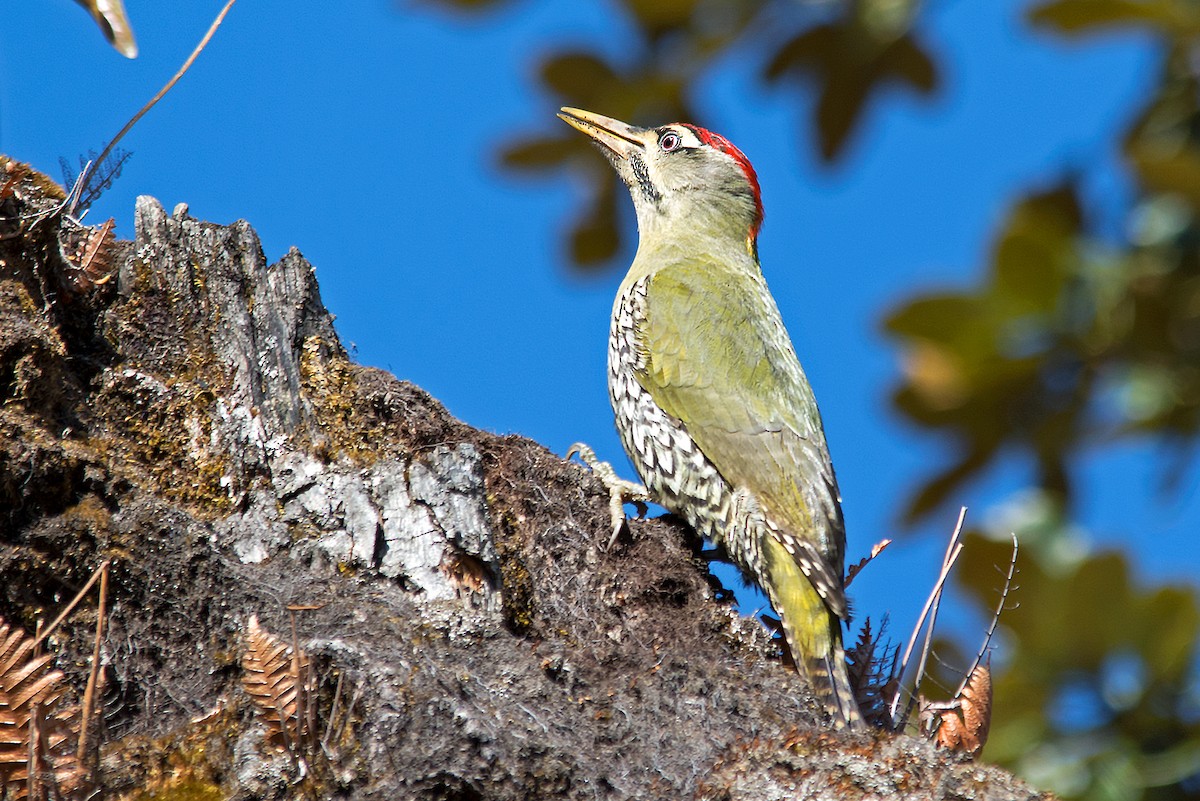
(196, 420)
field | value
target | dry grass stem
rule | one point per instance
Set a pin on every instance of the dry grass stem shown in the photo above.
(86, 175)
(929, 611)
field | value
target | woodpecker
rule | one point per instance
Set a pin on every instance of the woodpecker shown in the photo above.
(710, 400)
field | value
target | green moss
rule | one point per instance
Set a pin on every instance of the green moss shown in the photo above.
(17, 291)
(158, 423)
(327, 382)
(185, 789)
(183, 765)
(160, 440)
(191, 763)
(517, 584)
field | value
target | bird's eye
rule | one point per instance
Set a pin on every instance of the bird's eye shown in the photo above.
(669, 141)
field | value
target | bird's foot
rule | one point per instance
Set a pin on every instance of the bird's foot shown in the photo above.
(620, 491)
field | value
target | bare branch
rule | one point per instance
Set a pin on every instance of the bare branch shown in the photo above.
(953, 549)
(212, 29)
(89, 693)
(987, 638)
(102, 570)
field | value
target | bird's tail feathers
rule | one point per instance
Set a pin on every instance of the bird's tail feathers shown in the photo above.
(813, 634)
(831, 684)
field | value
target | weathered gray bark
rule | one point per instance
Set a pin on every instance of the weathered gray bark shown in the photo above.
(196, 420)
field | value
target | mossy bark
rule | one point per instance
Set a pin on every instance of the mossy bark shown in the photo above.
(195, 419)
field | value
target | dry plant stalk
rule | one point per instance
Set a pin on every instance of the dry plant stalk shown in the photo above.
(929, 612)
(38, 735)
(85, 176)
(962, 723)
(991, 631)
(866, 560)
(95, 682)
(279, 681)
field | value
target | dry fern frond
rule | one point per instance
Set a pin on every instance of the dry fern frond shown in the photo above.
(99, 177)
(34, 732)
(871, 665)
(976, 700)
(89, 251)
(279, 681)
(963, 724)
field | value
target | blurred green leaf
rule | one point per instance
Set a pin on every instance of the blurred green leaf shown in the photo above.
(988, 366)
(942, 317)
(1085, 16)
(848, 85)
(848, 64)
(659, 16)
(595, 237)
(1163, 170)
(1162, 145)
(1148, 392)
(885, 19)
(1169, 646)
(810, 50)
(577, 74)
(540, 153)
(1038, 251)
(1075, 636)
(908, 61)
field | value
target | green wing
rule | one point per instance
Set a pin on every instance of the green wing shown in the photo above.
(719, 359)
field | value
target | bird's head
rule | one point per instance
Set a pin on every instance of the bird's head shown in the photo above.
(681, 177)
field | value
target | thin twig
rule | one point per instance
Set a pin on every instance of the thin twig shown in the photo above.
(35, 737)
(346, 716)
(927, 647)
(299, 687)
(333, 711)
(212, 29)
(300, 674)
(987, 638)
(76, 193)
(952, 551)
(89, 693)
(41, 637)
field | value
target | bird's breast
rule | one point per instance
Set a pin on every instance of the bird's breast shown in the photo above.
(670, 463)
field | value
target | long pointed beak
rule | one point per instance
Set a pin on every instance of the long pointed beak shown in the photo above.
(618, 137)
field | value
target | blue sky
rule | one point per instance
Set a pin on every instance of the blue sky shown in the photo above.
(368, 139)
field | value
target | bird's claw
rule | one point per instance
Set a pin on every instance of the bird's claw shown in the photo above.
(620, 491)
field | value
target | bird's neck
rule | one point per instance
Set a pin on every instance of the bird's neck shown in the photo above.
(665, 243)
